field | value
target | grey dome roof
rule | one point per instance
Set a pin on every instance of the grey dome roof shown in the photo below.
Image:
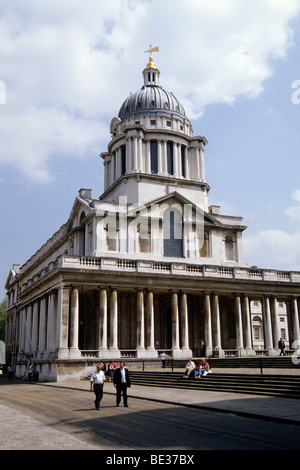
(152, 99)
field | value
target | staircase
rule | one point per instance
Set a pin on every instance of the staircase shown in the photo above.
(285, 386)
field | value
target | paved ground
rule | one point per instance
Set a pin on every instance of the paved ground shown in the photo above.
(18, 430)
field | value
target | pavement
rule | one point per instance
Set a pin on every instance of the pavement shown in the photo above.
(285, 410)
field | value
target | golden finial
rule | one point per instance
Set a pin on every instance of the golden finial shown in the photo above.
(150, 50)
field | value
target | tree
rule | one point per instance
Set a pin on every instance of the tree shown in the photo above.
(2, 319)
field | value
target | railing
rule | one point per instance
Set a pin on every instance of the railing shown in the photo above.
(176, 268)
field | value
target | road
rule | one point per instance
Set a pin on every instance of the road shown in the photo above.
(144, 424)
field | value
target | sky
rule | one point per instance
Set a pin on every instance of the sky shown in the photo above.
(66, 68)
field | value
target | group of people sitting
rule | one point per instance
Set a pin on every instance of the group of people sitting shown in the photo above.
(196, 369)
(108, 369)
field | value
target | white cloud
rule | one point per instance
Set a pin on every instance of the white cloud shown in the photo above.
(276, 248)
(68, 66)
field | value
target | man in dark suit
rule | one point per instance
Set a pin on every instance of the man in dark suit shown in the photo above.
(121, 383)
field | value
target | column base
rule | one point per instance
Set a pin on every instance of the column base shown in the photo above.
(181, 353)
(113, 353)
(63, 353)
(271, 352)
(74, 353)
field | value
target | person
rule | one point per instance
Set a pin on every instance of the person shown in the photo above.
(10, 371)
(96, 384)
(163, 359)
(121, 383)
(30, 371)
(202, 349)
(190, 366)
(111, 369)
(281, 346)
(204, 369)
(196, 371)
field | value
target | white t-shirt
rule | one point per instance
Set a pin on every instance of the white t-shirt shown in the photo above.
(98, 377)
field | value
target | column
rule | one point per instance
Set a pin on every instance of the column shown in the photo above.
(35, 326)
(43, 327)
(267, 326)
(148, 157)
(114, 323)
(150, 324)
(28, 328)
(140, 323)
(103, 322)
(175, 159)
(275, 322)
(207, 325)
(51, 324)
(74, 324)
(175, 326)
(239, 326)
(159, 157)
(247, 326)
(129, 159)
(134, 154)
(184, 325)
(62, 322)
(216, 326)
(295, 322)
(202, 165)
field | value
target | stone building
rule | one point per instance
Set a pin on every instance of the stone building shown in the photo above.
(148, 266)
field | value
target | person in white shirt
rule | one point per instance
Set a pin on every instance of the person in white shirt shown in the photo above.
(190, 366)
(96, 384)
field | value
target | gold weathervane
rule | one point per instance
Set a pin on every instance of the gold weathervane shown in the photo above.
(151, 50)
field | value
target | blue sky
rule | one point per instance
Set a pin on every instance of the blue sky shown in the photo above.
(68, 66)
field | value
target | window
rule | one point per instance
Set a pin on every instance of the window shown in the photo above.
(229, 248)
(169, 124)
(172, 233)
(153, 122)
(123, 159)
(183, 172)
(153, 150)
(170, 158)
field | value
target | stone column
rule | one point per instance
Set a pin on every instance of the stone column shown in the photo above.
(295, 321)
(129, 158)
(51, 324)
(247, 326)
(103, 322)
(207, 325)
(239, 326)
(175, 325)
(114, 324)
(150, 324)
(217, 326)
(28, 329)
(134, 154)
(62, 332)
(74, 324)
(275, 322)
(202, 165)
(184, 326)
(43, 327)
(35, 327)
(268, 326)
(140, 324)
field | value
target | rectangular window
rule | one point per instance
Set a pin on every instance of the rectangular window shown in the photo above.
(153, 122)
(153, 150)
(123, 159)
(170, 158)
(183, 161)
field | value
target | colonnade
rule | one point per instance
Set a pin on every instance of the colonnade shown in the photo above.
(138, 159)
(48, 327)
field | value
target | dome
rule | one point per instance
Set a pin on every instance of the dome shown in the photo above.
(152, 99)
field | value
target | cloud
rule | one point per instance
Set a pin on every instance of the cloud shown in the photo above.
(276, 248)
(68, 66)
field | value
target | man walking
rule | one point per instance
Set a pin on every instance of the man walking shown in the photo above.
(121, 383)
(281, 346)
(97, 382)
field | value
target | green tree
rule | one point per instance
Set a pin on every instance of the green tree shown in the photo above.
(2, 320)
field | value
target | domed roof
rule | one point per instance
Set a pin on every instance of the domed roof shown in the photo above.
(152, 99)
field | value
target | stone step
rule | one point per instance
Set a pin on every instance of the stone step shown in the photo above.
(251, 384)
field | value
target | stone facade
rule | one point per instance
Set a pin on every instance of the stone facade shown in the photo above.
(149, 266)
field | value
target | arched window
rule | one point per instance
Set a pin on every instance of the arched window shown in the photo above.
(229, 247)
(172, 233)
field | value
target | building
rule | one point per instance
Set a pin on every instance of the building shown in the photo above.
(148, 266)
